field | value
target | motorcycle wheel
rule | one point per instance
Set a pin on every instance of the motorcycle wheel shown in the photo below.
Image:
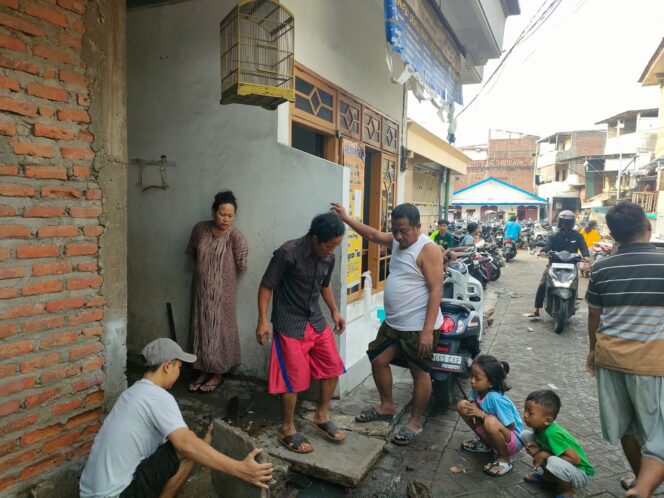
(443, 392)
(495, 275)
(560, 322)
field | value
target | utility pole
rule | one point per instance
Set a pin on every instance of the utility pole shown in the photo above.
(619, 125)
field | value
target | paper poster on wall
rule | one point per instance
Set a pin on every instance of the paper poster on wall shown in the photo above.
(353, 158)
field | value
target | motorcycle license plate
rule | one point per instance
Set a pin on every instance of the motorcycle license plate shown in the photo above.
(568, 266)
(448, 362)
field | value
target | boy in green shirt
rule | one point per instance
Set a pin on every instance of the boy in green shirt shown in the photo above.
(441, 236)
(557, 456)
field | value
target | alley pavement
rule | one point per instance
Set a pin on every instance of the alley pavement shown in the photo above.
(539, 359)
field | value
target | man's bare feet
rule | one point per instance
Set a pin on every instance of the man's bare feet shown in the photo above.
(200, 380)
(212, 383)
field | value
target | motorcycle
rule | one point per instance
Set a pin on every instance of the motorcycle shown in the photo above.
(562, 284)
(461, 332)
(509, 249)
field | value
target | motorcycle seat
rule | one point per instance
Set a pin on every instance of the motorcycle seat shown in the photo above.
(456, 303)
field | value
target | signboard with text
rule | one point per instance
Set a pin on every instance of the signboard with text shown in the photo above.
(353, 159)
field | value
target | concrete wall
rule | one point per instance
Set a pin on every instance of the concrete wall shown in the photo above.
(173, 110)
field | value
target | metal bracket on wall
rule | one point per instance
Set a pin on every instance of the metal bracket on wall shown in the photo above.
(162, 164)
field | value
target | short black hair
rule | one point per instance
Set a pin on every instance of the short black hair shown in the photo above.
(548, 400)
(495, 370)
(626, 221)
(512, 218)
(326, 226)
(443, 222)
(472, 227)
(407, 210)
(224, 197)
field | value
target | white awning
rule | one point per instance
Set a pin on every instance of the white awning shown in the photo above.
(423, 142)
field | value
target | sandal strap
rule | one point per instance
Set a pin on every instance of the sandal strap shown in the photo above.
(295, 440)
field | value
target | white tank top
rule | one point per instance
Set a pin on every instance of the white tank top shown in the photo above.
(406, 292)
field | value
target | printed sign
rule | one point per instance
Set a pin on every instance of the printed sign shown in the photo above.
(353, 157)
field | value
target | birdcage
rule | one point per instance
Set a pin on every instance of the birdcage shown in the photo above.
(257, 54)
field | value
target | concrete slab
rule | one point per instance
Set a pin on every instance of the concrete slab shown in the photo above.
(345, 464)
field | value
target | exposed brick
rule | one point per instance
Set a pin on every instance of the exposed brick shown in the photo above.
(94, 398)
(50, 73)
(73, 78)
(7, 447)
(12, 4)
(67, 407)
(46, 172)
(6, 170)
(20, 25)
(52, 322)
(46, 287)
(54, 54)
(4, 251)
(58, 192)
(48, 251)
(18, 423)
(7, 330)
(9, 407)
(11, 43)
(9, 83)
(19, 65)
(6, 211)
(59, 339)
(10, 349)
(78, 26)
(41, 397)
(8, 129)
(88, 266)
(85, 350)
(70, 41)
(55, 132)
(79, 452)
(85, 212)
(80, 249)
(14, 106)
(86, 317)
(83, 418)
(82, 171)
(38, 362)
(23, 310)
(83, 100)
(64, 304)
(17, 460)
(92, 365)
(91, 430)
(57, 268)
(47, 92)
(8, 292)
(47, 14)
(46, 111)
(94, 301)
(77, 153)
(41, 467)
(32, 149)
(85, 283)
(15, 232)
(16, 190)
(86, 136)
(92, 332)
(42, 211)
(73, 5)
(17, 385)
(7, 370)
(93, 230)
(15, 272)
(41, 434)
(93, 194)
(61, 442)
(58, 231)
(59, 373)
(74, 115)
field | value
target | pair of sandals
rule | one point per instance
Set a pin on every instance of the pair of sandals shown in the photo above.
(295, 442)
(496, 468)
(403, 437)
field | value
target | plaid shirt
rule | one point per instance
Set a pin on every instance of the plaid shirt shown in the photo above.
(296, 276)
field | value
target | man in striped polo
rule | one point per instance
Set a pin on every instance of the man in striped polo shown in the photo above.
(626, 330)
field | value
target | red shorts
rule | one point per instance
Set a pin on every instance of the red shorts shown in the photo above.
(294, 362)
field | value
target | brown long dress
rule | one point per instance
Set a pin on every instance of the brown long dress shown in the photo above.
(213, 330)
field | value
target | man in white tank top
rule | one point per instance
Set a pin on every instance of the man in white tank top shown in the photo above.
(412, 314)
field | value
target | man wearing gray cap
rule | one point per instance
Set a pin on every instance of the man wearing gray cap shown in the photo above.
(144, 447)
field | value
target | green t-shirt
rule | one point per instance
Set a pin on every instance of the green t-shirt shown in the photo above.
(557, 440)
(447, 241)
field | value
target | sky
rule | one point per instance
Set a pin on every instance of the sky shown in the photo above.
(582, 66)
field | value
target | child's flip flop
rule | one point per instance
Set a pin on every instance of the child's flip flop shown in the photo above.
(503, 468)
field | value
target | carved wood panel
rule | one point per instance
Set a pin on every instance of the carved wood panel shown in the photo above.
(350, 114)
(371, 127)
(390, 136)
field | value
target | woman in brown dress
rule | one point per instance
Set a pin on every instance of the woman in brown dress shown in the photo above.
(220, 252)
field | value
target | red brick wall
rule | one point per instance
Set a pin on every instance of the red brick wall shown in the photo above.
(51, 306)
(589, 142)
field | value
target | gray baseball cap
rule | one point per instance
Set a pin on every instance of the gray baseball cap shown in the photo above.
(161, 350)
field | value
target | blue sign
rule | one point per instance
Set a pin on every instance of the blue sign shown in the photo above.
(410, 39)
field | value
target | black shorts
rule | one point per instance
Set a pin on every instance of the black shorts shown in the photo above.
(153, 473)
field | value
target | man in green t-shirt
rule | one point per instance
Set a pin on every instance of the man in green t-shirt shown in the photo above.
(441, 236)
(557, 455)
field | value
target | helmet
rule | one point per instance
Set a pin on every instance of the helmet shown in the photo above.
(566, 220)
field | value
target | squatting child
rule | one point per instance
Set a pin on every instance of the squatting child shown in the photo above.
(492, 415)
(557, 456)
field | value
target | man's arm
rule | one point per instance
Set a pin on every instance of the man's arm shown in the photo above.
(432, 268)
(583, 248)
(328, 297)
(369, 233)
(594, 315)
(263, 330)
(191, 446)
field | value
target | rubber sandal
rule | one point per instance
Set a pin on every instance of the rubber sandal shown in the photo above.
(532, 316)
(628, 481)
(505, 467)
(404, 436)
(372, 415)
(535, 477)
(329, 430)
(475, 446)
(294, 442)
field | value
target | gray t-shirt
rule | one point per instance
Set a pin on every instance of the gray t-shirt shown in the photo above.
(142, 418)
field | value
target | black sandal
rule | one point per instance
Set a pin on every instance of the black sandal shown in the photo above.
(372, 415)
(294, 442)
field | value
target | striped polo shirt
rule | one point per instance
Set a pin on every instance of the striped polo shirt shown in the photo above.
(629, 289)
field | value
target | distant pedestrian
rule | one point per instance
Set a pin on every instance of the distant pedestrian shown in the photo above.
(220, 253)
(626, 331)
(303, 346)
(590, 233)
(492, 415)
(473, 231)
(512, 229)
(441, 236)
(557, 456)
(412, 315)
